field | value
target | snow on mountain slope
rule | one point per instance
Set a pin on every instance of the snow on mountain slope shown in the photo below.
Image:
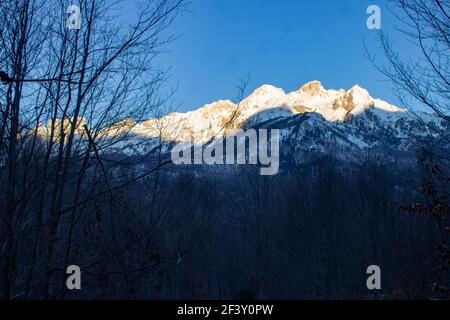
(209, 120)
(312, 117)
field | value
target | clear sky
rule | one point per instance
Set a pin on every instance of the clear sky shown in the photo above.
(281, 42)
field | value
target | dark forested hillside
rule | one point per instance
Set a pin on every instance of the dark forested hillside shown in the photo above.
(308, 232)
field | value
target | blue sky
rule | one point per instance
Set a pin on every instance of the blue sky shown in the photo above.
(281, 42)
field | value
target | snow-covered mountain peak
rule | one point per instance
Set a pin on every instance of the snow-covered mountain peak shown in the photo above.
(359, 100)
(262, 97)
(265, 90)
(326, 108)
(312, 88)
(310, 117)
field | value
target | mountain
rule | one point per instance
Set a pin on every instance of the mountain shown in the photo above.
(311, 120)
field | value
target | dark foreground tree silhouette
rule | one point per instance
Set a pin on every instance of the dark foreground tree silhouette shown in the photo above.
(436, 206)
(55, 80)
(425, 83)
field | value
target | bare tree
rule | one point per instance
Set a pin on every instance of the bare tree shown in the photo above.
(63, 93)
(427, 78)
(425, 82)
